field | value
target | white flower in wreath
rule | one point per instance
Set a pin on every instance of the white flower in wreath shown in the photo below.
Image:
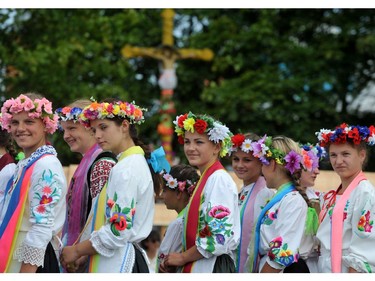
(246, 146)
(218, 132)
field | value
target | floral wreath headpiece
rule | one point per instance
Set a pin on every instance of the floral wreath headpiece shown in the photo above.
(173, 183)
(68, 113)
(216, 131)
(38, 108)
(264, 150)
(312, 155)
(104, 110)
(346, 133)
(239, 141)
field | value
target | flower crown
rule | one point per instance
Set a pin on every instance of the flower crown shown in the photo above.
(110, 110)
(239, 141)
(346, 133)
(38, 108)
(173, 183)
(216, 131)
(68, 113)
(264, 150)
(311, 155)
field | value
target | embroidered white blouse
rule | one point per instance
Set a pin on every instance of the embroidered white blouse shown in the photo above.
(358, 232)
(217, 235)
(282, 230)
(44, 213)
(130, 197)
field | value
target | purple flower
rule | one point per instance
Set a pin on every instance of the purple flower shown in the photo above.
(220, 239)
(293, 161)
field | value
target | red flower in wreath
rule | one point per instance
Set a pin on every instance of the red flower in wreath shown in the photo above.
(200, 126)
(354, 135)
(237, 140)
(180, 140)
(181, 120)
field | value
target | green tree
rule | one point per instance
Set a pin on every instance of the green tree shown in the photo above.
(275, 71)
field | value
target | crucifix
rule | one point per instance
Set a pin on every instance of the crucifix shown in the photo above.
(167, 56)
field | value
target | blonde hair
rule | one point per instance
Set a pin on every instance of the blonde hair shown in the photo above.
(285, 145)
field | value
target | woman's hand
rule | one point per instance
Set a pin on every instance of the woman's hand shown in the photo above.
(174, 259)
(68, 257)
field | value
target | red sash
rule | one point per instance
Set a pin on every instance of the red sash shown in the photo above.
(9, 238)
(192, 214)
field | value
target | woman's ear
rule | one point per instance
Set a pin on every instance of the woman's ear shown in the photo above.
(125, 125)
(273, 165)
(217, 148)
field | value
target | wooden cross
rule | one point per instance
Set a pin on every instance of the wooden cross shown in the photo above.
(167, 55)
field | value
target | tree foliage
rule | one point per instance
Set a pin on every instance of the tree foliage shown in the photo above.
(275, 71)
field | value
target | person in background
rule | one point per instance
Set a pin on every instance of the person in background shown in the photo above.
(254, 193)
(151, 245)
(8, 160)
(178, 187)
(122, 214)
(309, 249)
(274, 246)
(33, 211)
(346, 232)
(7, 151)
(211, 222)
(90, 175)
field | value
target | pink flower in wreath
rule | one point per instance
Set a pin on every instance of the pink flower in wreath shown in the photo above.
(219, 212)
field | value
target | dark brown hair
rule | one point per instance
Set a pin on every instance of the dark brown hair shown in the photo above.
(156, 178)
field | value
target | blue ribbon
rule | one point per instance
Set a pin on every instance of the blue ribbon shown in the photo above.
(158, 161)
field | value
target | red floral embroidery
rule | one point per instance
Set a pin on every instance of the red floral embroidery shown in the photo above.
(119, 221)
(205, 232)
(47, 189)
(41, 209)
(45, 199)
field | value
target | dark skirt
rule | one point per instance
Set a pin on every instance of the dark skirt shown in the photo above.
(224, 264)
(297, 267)
(140, 264)
(51, 265)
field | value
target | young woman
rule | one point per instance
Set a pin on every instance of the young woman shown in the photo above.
(34, 207)
(122, 214)
(90, 175)
(309, 244)
(253, 195)
(279, 229)
(211, 222)
(346, 232)
(179, 186)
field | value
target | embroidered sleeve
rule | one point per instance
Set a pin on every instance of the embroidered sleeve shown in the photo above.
(363, 233)
(29, 254)
(218, 230)
(99, 175)
(119, 212)
(289, 223)
(45, 193)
